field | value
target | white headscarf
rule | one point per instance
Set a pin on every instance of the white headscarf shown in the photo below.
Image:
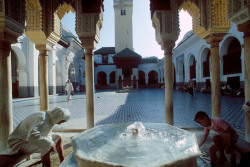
(59, 114)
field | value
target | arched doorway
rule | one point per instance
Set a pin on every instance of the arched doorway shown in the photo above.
(180, 73)
(232, 63)
(192, 67)
(101, 79)
(152, 79)
(141, 81)
(112, 77)
(127, 77)
(205, 61)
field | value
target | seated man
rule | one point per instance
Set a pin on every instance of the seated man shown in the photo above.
(33, 135)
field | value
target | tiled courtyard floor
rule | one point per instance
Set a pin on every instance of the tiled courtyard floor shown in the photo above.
(147, 105)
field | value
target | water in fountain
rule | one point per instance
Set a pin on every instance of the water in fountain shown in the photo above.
(137, 144)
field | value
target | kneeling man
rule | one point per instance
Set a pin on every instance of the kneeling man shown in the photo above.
(33, 134)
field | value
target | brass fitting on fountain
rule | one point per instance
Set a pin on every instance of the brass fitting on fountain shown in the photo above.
(135, 131)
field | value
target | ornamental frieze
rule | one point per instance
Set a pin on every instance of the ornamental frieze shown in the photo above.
(219, 13)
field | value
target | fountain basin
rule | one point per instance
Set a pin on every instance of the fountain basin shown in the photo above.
(155, 144)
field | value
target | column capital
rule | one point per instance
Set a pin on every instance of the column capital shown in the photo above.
(88, 43)
(43, 49)
(168, 47)
(89, 51)
(214, 39)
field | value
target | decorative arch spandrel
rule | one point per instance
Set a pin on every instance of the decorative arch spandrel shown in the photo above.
(195, 13)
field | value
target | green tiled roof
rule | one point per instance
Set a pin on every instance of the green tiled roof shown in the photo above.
(105, 50)
(127, 53)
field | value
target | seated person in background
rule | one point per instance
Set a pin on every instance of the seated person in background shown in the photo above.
(33, 134)
(226, 138)
(223, 89)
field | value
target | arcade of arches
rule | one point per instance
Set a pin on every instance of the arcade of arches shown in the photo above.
(44, 30)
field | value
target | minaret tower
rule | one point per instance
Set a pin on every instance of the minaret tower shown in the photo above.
(123, 24)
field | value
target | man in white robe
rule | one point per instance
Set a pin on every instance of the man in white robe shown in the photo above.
(69, 89)
(33, 134)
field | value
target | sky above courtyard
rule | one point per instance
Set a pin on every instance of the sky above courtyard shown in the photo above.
(143, 32)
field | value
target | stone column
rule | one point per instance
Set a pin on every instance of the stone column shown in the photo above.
(89, 68)
(169, 82)
(245, 27)
(214, 40)
(6, 117)
(43, 77)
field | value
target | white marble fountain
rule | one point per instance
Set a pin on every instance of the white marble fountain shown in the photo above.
(135, 145)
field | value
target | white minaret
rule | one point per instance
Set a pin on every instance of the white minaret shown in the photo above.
(123, 24)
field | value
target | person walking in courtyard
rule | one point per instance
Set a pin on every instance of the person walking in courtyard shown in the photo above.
(33, 135)
(191, 87)
(69, 89)
(226, 138)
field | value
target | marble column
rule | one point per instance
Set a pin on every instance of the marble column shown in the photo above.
(43, 77)
(169, 83)
(214, 40)
(245, 27)
(89, 65)
(6, 117)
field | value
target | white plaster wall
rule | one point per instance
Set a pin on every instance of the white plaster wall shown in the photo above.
(98, 59)
(110, 58)
(61, 56)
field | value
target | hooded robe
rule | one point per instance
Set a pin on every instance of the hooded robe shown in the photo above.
(33, 134)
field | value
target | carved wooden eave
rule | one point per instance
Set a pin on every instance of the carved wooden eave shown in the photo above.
(166, 24)
(240, 17)
(10, 29)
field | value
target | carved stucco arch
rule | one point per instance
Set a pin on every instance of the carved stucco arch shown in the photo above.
(200, 59)
(23, 77)
(21, 58)
(59, 13)
(194, 12)
(64, 9)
